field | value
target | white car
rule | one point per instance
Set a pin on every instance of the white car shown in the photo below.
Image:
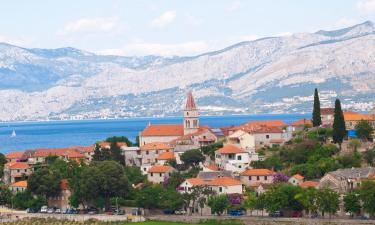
(44, 209)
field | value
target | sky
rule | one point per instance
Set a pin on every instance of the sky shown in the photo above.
(163, 27)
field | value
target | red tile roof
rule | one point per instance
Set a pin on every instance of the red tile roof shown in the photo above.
(160, 169)
(163, 130)
(166, 156)
(257, 172)
(17, 165)
(224, 181)
(353, 116)
(229, 149)
(327, 111)
(156, 146)
(190, 103)
(64, 184)
(212, 167)
(71, 153)
(277, 141)
(196, 181)
(302, 122)
(14, 155)
(22, 183)
(267, 123)
(298, 176)
(309, 183)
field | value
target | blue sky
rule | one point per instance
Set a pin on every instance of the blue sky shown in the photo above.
(165, 27)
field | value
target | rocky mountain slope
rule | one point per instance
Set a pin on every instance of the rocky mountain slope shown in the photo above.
(268, 75)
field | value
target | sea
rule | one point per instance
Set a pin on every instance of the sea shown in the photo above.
(59, 134)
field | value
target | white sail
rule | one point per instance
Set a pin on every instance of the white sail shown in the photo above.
(13, 133)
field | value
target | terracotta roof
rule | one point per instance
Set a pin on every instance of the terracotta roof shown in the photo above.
(155, 146)
(163, 130)
(196, 181)
(17, 165)
(106, 144)
(353, 116)
(22, 183)
(190, 103)
(160, 169)
(298, 176)
(166, 156)
(64, 184)
(229, 149)
(327, 111)
(84, 148)
(201, 130)
(224, 181)
(14, 155)
(212, 167)
(62, 152)
(267, 123)
(302, 122)
(257, 172)
(277, 141)
(309, 183)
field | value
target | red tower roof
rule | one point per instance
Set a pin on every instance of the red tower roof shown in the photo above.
(190, 104)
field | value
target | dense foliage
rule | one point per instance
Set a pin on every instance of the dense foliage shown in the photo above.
(316, 118)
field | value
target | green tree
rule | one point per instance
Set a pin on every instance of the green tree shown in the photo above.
(218, 204)
(5, 195)
(316, 118)
(115, 152)
(350, 160)
(44, 182)
(367, 195)
(327, 201)
(149, 197)
(369, 156)
(134, 175)
(308, 199)
(364, 130)
(101, 154)
(192, 157)
(171, 199)
(3, 160)
(339, 130)
(351, 203)
(354, 144)
(120, 139)
(250, 201)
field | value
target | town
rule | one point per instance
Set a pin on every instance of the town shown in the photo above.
(312, 168)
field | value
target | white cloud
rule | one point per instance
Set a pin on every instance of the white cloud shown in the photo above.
(144, 48)
(234, 6)
(164, 20)
(193, 20)
(345, 22)
(14, 41)
(366, 6)
(90, 25)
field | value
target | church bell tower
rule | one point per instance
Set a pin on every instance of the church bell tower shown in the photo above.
(191, 117)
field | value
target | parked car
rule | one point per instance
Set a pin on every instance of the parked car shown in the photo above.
(236, 212)
(276, 214)
(58, 210)
(32, 210)
(71, 211)
(180, 212)
(44, 209)
(168, 212)
(92, 210)
(297, 214)
(50, 210)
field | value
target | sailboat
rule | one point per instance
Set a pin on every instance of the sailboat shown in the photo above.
(13, 134)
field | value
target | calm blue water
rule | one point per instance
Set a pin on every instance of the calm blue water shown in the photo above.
(57, 134)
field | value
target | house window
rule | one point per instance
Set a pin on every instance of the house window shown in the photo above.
(146, 152)
(220, 189)
(257, 177)
(265, 177)
(239, 157)
(239, 166)
(249, 177)
(18, 171)
(160, 174)
(267, 136)
(152, 174)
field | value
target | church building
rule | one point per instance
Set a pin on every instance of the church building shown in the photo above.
(175, 134)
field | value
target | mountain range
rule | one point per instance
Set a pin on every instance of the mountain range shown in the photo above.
(268, 75)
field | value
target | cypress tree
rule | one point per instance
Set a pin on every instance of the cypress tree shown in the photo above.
(316, 119)
(339, 129)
